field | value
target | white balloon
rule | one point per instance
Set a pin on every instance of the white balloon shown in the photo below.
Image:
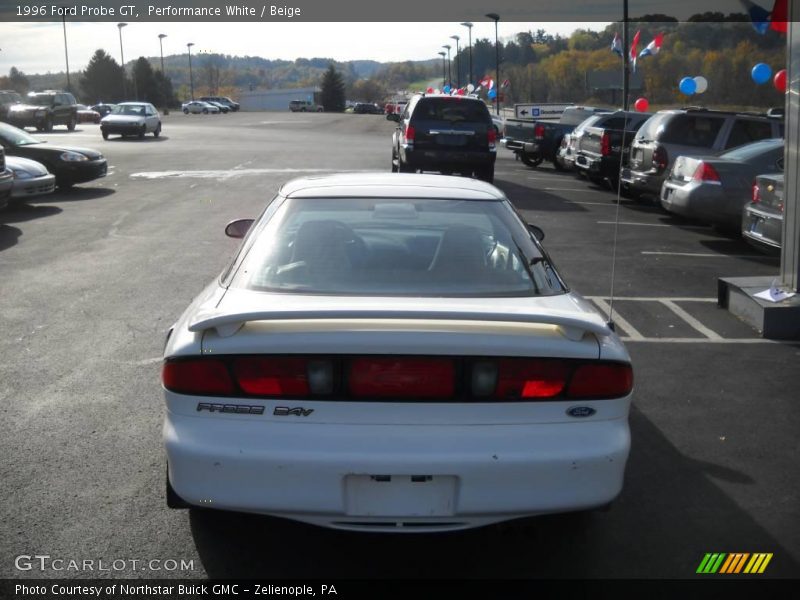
(702, 84)
(470, 88)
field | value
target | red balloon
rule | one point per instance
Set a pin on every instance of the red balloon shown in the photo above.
(780, 81)
(641, 105)
(429, 90)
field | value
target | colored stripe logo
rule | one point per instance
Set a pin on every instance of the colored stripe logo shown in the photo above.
(734, 563)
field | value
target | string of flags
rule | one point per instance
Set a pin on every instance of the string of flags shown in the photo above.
(651, 49)
(763, 20)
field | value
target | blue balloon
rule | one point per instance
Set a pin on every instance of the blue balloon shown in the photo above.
(761, 73)
(446, 89)
(492, 94)
(688, 86)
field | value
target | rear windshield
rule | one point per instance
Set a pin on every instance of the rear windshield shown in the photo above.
(651, 128)
(42, 98)
(398, 247)
(692, 130)
(451, 109)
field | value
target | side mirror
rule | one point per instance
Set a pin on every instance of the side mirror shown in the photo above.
(393, 117)
(238, 228)
(537, 232)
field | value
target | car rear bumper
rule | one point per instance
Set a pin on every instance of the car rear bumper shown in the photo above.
(649, 183)
(27, 188)
(762, 229)
(466, 476)
(454, 159)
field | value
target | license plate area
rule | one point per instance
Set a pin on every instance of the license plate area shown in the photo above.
(400, 495)
(451, 140)
(756, 225)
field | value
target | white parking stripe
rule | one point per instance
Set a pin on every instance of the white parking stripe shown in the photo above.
(650, 299)
(704, 340)
(553, 189)
(631, 223)
(712, 335)
(704, 255)
(230, 173)
(630, 329)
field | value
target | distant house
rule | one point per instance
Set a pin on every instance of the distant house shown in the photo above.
(277, 99)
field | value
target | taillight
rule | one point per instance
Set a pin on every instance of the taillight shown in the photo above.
(402, 377)
(706, 173)
(491, 134)
(605, 144)
(264, 376)
(660, 158)
(756, 193)
(409, 133)
(199, 376)
(601, 381)
(538, 131)
(530, 378)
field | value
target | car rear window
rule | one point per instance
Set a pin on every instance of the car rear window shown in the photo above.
(416, 247)
(652, 127)
(451, 110)
(692, 130)
(745, 131)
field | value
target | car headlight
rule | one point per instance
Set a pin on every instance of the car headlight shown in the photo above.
(20, 174)
(73, 157)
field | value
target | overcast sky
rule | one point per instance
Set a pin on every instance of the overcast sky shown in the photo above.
(39, 47)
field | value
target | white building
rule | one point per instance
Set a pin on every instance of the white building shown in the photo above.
(276, 99)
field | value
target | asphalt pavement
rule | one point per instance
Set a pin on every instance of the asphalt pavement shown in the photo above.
(93, 277)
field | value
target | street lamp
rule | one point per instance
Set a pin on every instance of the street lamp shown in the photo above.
(122, 58)
(444, 69)
(66, 54)
(449, 73)
(161, 37)
(191, 77)
(468, 25)
(458, 65)
(495, 17)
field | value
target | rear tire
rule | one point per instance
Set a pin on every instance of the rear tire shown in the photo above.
(404, 168)
(72, 123)
(186, 111)
(532, 160)
(142, 131)
(48, 124)
(157, 132)
(105, 134)
(395, 168)
(486, 174)
(205, 111)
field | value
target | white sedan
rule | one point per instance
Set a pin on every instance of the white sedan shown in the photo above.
(393, 353)
(131, 118)
(198, 106)
(31, 178)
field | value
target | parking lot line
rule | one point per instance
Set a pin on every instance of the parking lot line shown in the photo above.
(711, 335)
(653, 299)
(554, 189)
(619, 320)
(702, 340)
(229, 173)
(632, 223)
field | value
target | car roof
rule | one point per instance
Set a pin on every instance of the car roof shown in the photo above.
(390, 185)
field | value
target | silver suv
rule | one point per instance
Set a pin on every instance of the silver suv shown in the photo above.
(689, 132)
(304, 106)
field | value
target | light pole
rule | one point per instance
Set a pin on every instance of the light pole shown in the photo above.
(66, 54)
(495, 17)
(444, 70)
(449, 73)
(468, 25)
(458, 64)
(161, 37)
(191, 77)
(122, 58)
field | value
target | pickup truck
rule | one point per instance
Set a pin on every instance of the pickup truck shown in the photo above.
(534, 141)
(602, 149)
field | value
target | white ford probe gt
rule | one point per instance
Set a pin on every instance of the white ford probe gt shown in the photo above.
(393, 353)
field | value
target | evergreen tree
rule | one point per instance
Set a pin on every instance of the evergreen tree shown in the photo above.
(332, 95)
(147, 87)
(102, 80)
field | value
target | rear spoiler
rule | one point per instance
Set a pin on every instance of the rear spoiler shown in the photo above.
(227, 324)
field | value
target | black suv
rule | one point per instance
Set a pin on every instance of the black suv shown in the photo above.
(449, 134)
(43, 110)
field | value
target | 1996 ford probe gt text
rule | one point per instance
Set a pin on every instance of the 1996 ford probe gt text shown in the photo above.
(393, 353)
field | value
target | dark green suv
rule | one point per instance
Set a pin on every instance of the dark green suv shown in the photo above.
(44, 110)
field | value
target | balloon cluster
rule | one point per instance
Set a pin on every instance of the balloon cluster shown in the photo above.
(693, 85)
(762, 73)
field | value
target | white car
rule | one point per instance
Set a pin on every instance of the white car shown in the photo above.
(131, 118)
(31, 178)
(198, 106)
(393, 353)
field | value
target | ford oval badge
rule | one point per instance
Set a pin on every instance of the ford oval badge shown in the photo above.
(580, 411)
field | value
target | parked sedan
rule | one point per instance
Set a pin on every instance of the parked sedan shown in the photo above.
(716, 188)
(393, 353)
(762, 217)
(31, 178)
(198, 106)
(132, 118)
(70, 165)
(87, 115)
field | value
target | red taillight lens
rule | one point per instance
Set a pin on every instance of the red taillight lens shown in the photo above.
(605, 144)
(491, 134)
(660, 158)
(538, 131)
(272, 376)
(409, 133)
(756, 193)
(402, 377)
(200, 376)
(530, 378)
(706, 173)
(601, 381)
